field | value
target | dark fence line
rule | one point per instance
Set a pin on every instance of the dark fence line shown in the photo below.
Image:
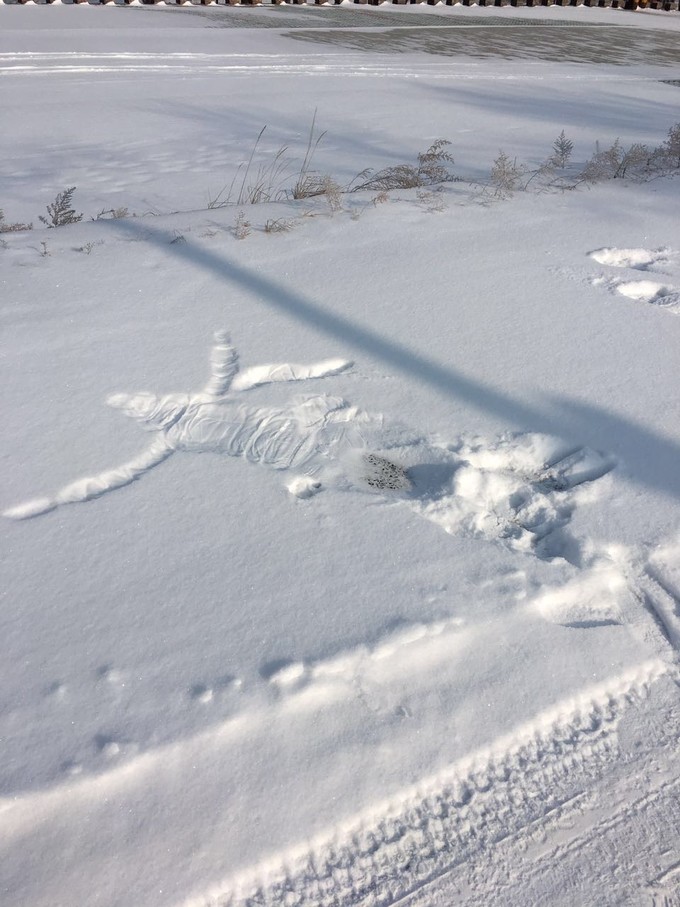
(665, 5)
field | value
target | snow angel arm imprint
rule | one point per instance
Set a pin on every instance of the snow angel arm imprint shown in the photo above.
(94, 486)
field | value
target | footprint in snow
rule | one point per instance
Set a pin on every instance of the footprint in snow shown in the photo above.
(204, 693)
(520, 488)
(637, 259)
(650, 291)
(659, 293)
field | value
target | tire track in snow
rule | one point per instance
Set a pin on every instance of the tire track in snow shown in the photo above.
(520, 780)
(660, 588)
(585, 837)
(350, 65)
(485, 799)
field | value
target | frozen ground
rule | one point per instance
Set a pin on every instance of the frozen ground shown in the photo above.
(375, 597)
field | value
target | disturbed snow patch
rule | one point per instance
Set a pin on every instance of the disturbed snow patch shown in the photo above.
(592, 599)
(522, 489)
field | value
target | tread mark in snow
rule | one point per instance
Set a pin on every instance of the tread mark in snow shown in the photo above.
(487, 798)
(660, 593)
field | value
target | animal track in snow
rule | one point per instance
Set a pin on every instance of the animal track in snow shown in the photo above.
(520, 488)
(207, 692)
(110, 746)
(110, 674)
(56, 691)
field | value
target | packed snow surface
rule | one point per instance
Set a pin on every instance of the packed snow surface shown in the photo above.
(374, 597)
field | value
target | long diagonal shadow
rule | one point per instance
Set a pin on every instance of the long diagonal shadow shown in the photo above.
(650, 458)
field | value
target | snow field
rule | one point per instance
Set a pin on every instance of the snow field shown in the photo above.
(388, 612)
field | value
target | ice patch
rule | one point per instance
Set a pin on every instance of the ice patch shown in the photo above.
(271, 374)
(295, 436)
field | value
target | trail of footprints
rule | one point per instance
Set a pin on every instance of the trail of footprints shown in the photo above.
(596, 597)
(116, 689)
(656, 287)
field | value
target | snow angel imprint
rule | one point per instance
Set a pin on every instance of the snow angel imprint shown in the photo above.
(305, 436)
